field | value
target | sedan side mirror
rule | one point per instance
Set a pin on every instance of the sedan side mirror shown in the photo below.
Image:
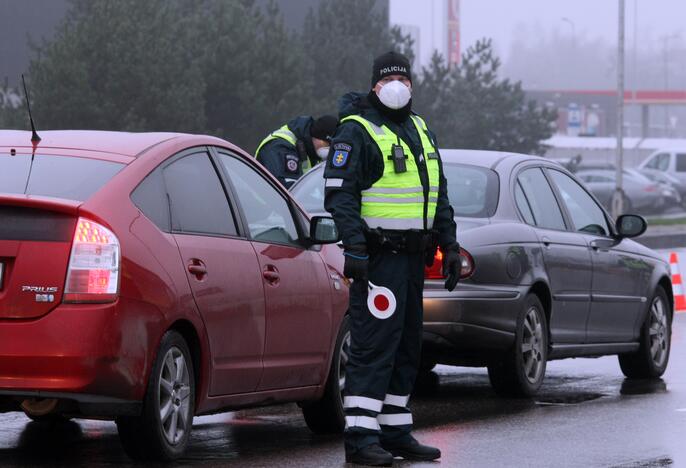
(323, 230)
(629, 225)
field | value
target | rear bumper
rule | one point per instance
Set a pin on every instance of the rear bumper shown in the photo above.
(469, 323)
(87, 353)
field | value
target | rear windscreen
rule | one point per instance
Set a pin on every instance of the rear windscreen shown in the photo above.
(55, 176)
(472, 190)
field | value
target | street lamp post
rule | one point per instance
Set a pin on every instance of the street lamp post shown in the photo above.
(618, 199)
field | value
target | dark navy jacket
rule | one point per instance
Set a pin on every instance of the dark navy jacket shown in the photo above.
(365, 166)
(276, 154)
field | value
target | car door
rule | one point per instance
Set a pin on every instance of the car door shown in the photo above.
(619, 277)
(222, 270)
(296, 282)
(565, 255)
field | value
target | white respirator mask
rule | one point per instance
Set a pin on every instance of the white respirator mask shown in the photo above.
(323, 152)
(394, 95)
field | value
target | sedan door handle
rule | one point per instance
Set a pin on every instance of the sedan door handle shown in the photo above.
(271, 274)
(546, 241)
(198, 269)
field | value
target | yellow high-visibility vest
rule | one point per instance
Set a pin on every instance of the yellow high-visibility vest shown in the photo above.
(396, 200)
(283, 133)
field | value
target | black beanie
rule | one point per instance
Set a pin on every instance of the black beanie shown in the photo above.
(324, 127)
(390, 63)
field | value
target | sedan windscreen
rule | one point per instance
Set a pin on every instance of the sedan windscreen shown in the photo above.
(55, 176)
(472, 190)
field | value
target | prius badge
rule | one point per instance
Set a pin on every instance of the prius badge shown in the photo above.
(43, 293)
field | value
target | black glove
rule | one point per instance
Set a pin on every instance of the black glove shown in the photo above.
(452, 265)
(356, 262)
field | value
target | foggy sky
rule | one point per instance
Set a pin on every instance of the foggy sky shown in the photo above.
(565, 44)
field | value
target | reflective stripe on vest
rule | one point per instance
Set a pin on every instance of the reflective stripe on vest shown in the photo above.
(283, 133)
(396, 201)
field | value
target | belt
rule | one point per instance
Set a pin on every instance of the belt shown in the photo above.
(408, 241)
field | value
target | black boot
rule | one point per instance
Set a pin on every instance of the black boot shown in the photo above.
(410, 449)
(371, 455)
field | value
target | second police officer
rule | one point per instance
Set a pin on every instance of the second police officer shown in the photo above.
(387, 194)
(300, 144)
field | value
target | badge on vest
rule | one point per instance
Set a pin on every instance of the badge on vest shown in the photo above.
(341, 153)
(292, 163)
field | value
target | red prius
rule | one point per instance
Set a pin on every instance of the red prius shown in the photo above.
(148, 278)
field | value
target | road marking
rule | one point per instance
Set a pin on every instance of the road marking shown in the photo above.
(682, 410)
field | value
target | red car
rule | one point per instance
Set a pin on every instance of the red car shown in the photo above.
(152, 277)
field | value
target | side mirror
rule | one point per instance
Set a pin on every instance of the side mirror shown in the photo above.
(629, 225)
(323, 230)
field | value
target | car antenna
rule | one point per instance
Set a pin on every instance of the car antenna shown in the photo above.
(34, 137)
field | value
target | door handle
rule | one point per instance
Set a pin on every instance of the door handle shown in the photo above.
(271, 274)
(546, 241)
(197, 268)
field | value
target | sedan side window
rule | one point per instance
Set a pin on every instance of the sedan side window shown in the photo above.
(586, 215)
(544, 207)
(267, 212)
(196, 197)
(681, 162)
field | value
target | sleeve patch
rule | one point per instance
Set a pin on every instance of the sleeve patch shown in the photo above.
(292, 163)
(340, 155)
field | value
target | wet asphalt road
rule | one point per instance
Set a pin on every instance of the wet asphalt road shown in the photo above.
(587, 414)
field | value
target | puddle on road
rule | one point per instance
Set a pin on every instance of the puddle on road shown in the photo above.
(566, 400)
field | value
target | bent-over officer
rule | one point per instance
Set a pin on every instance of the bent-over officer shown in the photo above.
(387, 194)
(298, 145)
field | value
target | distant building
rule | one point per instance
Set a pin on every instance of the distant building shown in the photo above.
(594, 112)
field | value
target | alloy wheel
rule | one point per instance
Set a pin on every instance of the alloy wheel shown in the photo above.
(658, 332)
(174, 396)
(532, 346)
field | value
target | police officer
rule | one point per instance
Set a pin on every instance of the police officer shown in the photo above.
(303, 142)
(387, 194)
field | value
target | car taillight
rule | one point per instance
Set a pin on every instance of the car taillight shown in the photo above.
(93, 274)
(649, 188)
(435, 271)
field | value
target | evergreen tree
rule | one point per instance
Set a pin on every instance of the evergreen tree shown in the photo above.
(341, 39)
(469, 106)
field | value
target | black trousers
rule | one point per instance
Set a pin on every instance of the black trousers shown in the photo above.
(384, 354)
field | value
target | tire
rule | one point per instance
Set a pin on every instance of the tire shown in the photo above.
(652, 357)
(520, 371)
(170, 390)
(326, 416)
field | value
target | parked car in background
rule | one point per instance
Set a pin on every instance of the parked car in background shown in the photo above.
(671, 161)
(642, 194)
(546, 274)
(668, 180)
(148, 278)
(667, 185)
